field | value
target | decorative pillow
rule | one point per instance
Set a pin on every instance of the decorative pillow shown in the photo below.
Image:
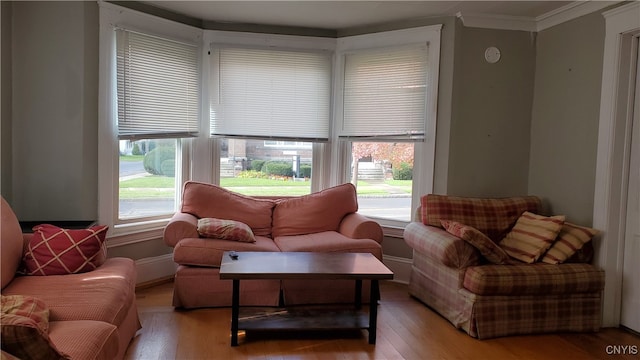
(225, 229)
(56, 251)
(25, 322)
(490, 250)
(570, 239)
(531, 236)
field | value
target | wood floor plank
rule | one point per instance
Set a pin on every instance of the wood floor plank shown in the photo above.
(407, 329)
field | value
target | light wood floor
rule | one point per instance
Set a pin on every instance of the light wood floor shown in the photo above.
(407, 329)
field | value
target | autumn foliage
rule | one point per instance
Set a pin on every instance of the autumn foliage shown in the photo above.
(395, 153)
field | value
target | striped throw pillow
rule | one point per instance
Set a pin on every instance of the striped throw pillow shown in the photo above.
(570, 239)
(531, 236)
(225, 229)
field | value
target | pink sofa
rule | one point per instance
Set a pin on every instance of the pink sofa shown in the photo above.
(92, 315)
(325, 221)
(488, 300)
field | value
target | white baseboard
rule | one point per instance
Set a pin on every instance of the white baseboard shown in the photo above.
(401, 267)
(155, 268)
(159, 267)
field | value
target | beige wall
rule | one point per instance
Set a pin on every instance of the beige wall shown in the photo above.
(491, 114)
(55, 101)
(5, 105)
(566, 106)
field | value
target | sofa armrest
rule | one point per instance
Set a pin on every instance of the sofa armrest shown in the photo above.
(358, 226)
(180, 226)
(440, 245)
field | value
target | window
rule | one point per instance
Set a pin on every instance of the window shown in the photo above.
(149, 108)
(387, 108)
(158, 92)
(383, 174)
(269, 106)
(147, 178)
(251, 167)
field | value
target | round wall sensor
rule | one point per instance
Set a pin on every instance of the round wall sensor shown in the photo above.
(492, 55)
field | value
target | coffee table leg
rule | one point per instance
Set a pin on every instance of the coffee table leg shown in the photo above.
(358, 299)
(235, 312)
(373, 311)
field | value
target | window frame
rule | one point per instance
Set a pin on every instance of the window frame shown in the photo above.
(210, 151)
(112, 17)
(424, 151)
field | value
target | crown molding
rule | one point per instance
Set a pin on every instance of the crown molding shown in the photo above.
(501, 22)
(531, 24)
(570, 11)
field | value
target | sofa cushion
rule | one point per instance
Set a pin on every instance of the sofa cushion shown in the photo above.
(317, 212)
(533, 279)
(531, 236)
(105, 294)
(328, 241)
(570, 239)
(211, 201)
(24, 324)
(225, 229)
(490, 250)
(11, 244)
(493, 217)
(208, 252)
(56, 251)
(85, 339)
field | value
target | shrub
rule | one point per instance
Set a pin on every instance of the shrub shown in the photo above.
(305, 171)
(278, 168)
(168, 168)
(405, 172)
(257, 165)
(136, 149)
(153, 159)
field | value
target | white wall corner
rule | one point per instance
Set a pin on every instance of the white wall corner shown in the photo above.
(401, 268)
(155, 268)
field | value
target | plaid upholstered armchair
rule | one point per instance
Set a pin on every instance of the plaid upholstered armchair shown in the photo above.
(495, 267)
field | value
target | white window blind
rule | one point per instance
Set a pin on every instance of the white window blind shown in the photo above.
(158, 88)
(277, 94)
(385, 94)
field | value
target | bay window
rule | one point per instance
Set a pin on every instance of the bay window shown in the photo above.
(387, 106)
(261, 114)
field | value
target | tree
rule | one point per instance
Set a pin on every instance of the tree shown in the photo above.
(395, 153)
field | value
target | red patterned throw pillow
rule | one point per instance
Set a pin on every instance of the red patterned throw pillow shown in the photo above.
(225, 229)
(56, 251)
(490, 250)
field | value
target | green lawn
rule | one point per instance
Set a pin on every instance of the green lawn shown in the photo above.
(131, 158)
(155, 186)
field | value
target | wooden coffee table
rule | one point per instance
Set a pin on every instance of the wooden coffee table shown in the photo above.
(307, 266)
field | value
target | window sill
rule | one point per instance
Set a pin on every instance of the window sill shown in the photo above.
(127, 234)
